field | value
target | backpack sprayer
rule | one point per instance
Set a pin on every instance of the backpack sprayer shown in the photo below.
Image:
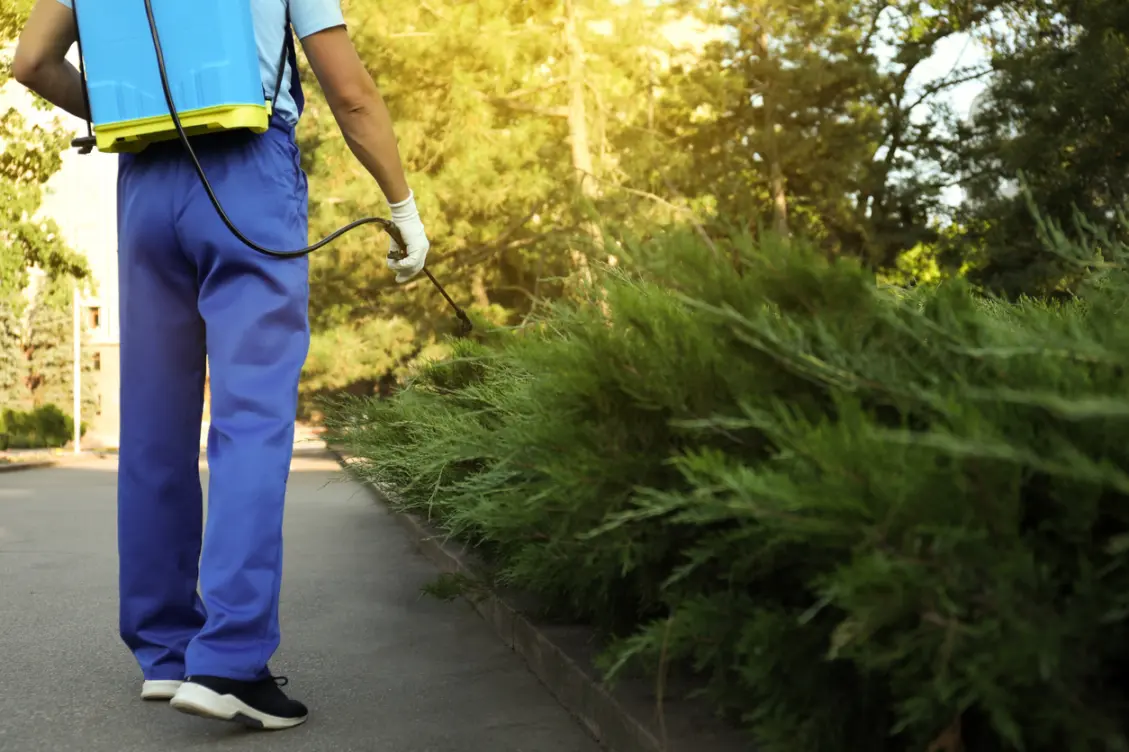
(220, 81)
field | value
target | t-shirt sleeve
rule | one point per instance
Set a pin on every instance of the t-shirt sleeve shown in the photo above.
(311, 16)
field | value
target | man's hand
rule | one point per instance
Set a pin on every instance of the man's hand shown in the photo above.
(406, 218)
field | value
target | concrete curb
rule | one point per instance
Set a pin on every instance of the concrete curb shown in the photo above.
(624, 719)
(11, 467)
(62, 460)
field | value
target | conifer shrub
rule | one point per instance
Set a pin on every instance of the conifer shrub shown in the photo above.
(871, 518)
(45, 427)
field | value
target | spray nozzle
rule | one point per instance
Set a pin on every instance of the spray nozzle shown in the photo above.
(401, 252)
(465, 327)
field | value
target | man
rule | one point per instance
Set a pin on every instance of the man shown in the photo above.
(189, 288)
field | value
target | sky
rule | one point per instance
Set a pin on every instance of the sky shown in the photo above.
(953, 52)
(957, 51)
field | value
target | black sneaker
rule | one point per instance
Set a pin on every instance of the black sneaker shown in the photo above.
(258, 704)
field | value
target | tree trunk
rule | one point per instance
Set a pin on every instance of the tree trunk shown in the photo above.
(779, 200)
(582, 164)
(777, 185)
(577, 109)
(478, 288)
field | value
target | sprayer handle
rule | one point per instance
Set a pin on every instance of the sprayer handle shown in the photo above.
(84, 144)
(394, 232)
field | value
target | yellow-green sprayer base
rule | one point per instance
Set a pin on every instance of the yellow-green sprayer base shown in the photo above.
(132, 136)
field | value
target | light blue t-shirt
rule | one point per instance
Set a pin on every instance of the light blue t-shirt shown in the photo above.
(307, 17)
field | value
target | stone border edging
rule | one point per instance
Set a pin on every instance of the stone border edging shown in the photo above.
(67, 459)
(11, 467)
(578, 690)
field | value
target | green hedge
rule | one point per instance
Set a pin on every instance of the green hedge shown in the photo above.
(873, 519)
(45, 427)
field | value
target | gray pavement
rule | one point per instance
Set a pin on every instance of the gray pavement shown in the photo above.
(380, 666)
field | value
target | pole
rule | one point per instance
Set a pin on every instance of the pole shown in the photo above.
(77, 372)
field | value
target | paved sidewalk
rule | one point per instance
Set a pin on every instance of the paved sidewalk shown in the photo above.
(382, 668)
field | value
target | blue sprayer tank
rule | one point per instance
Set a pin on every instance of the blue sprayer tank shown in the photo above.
(211, 60)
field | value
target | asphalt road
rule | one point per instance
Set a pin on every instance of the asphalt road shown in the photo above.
(381, 666)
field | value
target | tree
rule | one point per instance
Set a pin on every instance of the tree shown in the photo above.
(30, 156)
(793, 120)
(35, 355)
(1056, 119)
(458, 78)
(498, 105)
(511, 118)
(48, 349)
(11, 350)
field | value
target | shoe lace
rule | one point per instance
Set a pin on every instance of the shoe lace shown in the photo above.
(280, 681)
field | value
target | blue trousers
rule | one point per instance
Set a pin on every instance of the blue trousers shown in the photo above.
(190, 290)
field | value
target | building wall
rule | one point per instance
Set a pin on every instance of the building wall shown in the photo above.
(105, 426)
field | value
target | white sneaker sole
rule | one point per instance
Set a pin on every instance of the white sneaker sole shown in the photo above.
(198, 700)
(159, 689)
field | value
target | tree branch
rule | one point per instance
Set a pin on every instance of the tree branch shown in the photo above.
(880, 8)
(939, 86)
(507, 103)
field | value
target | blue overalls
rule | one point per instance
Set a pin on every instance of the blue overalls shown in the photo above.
(190, 289)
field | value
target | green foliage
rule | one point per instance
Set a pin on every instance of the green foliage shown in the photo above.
(359, 358)
(29, 156)
(797, 93)
(869, 518)
(45, 427)
(725, 109)
(12, 18)
(11, 353)
(1053, 119)
(48, 349)
(449, 587)
(479, 93)
(807, 114)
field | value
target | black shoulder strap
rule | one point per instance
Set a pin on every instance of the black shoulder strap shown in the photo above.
(85, 144)
(282, 58)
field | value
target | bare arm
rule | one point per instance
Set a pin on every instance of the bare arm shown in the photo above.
(359, 109)
(40, 63)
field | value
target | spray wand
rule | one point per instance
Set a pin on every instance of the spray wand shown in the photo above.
(86, 144)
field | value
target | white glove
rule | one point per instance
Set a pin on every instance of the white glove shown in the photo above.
(406, 218)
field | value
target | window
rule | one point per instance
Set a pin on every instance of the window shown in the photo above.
(94, 317)
(98, 362)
